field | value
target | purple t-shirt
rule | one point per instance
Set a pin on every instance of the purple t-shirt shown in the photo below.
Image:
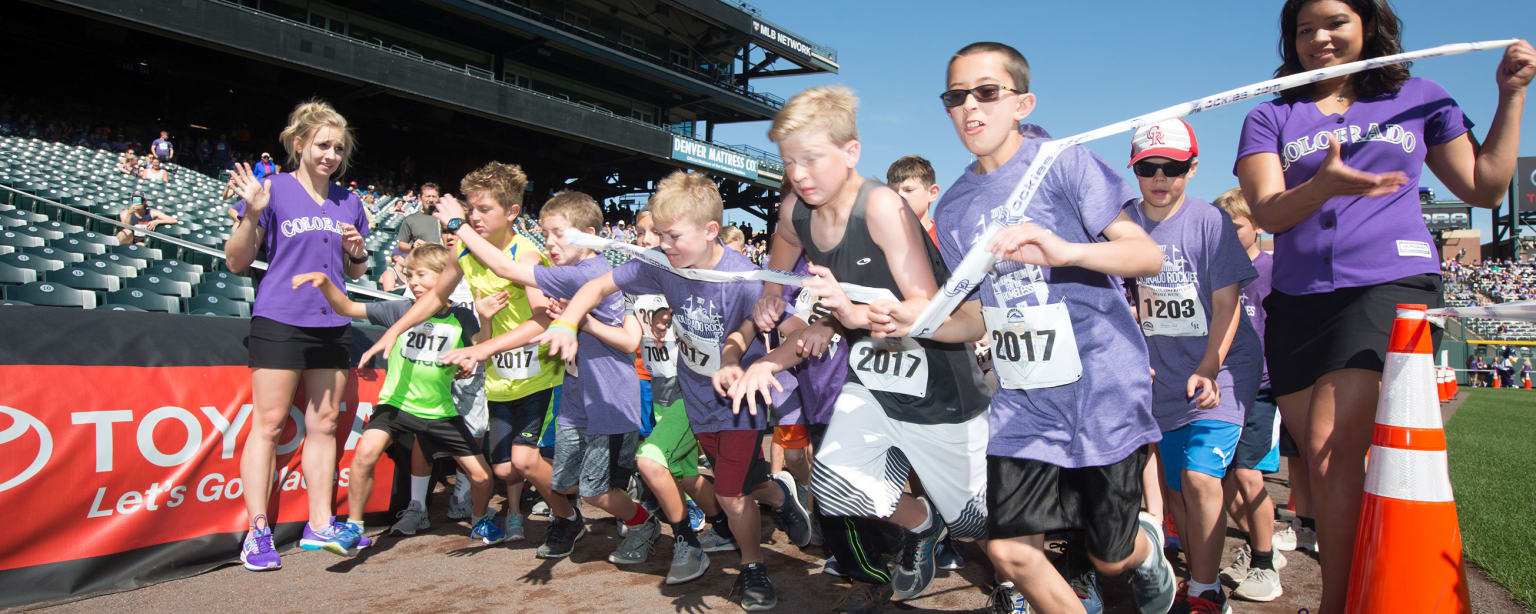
(1253, 303)
(821, 377)
(1105, 415)
(703, 315)
(302, 236)
(600, 395)
(1354, 241)
(161, 147)
(1201, 253)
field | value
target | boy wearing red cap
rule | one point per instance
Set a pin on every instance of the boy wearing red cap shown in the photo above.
(1206, 356)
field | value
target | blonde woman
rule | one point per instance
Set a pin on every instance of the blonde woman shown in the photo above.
(302, 222)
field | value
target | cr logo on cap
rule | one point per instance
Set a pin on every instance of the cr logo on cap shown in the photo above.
(21, 422)
(1155, 136)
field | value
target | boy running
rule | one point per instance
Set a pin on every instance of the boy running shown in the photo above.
(913, 178)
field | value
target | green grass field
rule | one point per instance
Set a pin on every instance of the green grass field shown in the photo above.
(1492, 442)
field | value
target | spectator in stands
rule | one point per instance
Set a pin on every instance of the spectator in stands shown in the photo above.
(129, 165)
(155, 172)
(295, 336)
(394, 277)
(162, 147)
(138, 215)
(420, 227)
(265, 166)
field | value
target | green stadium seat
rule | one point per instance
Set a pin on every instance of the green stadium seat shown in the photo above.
(53, 253)
(50, 294)
(160, 285)
(136, 251)
(128, 261)
(226, 277)
(15, 275)
(119, 307)
(213, 305)
(95, 237)
(85, 279)
(78, 246)
(29, 261)
(18, 240)
(107, 267)
(143, 299)
(169, 272)
(11, 303)
(11, 222)
(45, 233)
(225, 290)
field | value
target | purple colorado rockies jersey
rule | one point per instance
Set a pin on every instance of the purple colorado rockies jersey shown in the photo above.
(302, 236)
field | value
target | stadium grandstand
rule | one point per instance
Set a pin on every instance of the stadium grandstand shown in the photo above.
(602, 97)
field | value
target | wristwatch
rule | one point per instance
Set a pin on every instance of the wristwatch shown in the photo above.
(454, 224)
(356, 260)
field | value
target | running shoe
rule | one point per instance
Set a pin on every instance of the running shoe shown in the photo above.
(459, 506)
(412, 519)
(917, 567)
(1285, 539)
(488, 531)
(712, 541)
(949, 558)
(695, 516)
(1306, 539)
(514, 527)
(560, 539)
(636, 547)
(792, 516)
(863, 598)
(1209, 602)
(1086, 585)
(831, 568)
(1259, 585)
(688, 562)
(1152, 582)
(1242, 561)
(754, 588)
(333, 538)
(257, 553)
(1005, 599)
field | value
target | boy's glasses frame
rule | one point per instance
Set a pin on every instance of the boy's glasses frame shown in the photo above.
(989, 92)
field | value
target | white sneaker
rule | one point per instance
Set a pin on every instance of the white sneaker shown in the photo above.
(1285, 539)
(1259, 585)
(1242, 562)
(412, 519)
(458, 502)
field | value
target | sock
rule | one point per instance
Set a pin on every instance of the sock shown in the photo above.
(927, 521)
(356, 523)
(722, 526)
(684, 529)
(639, 518)
(1197, 589)
(1309, 524)
(1263, 560)
(419, 485)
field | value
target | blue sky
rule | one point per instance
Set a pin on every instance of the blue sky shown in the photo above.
(1097, 62)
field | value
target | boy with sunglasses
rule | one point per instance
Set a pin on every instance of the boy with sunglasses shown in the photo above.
(1205, 355)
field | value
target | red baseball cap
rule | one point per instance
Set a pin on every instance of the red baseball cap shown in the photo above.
(1172, 139)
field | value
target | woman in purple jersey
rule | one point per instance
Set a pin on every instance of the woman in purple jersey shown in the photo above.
(1333, 171)
(303, 223)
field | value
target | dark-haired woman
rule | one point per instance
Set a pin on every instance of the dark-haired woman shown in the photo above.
(1333, 171)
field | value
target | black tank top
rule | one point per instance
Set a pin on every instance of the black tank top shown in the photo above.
(956, 391)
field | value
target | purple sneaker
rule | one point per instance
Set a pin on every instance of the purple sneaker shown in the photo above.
(257, 553)
(335, 538)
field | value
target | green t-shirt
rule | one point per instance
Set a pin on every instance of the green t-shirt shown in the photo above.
(416, 382)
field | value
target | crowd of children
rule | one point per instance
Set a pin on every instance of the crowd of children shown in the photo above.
(1122, 406)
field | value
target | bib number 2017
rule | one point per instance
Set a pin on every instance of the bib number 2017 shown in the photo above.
(1030, 345)
(519, 363)
(882, 362)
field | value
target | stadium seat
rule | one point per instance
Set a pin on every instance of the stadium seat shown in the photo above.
(11, 303)
(160, 285)
(136, 251)
(215, 306)
(181, 265)
(85, 279)
(45, 233)
(51, 253)
(95, 237)
(119, 307)
(11, 222)
(128, 261)
(78, 246)
(28, 261)
(226, 277)
(225, 290)
(170, 272)
(17, 239)
(142, 299)
(51, 294)
(15, 275)
(107, 267)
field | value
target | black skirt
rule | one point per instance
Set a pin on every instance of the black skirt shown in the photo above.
(1309, 335)
(275, 345)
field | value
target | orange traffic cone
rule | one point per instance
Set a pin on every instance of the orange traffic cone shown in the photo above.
(1408, 557)
(1527, 382)
(1496, 380)
(1442, 384)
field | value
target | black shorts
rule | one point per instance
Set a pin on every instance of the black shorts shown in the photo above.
(1258, 436)
(517, 422)
(1307, 336)
(439, 437)
(1028, 497)
(275, 345)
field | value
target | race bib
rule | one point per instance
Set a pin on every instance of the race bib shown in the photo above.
(898, 366)
(426, 341)
(660, 357)
(1171, 311)
(810, 311)
(701, 355)
(517, 363)
(1033, 347)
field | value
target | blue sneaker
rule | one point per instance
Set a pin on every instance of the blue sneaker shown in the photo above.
(257, 554)
(335, 538)
(363, 541)
(1086, 585)
(488, 531)
(695, 516)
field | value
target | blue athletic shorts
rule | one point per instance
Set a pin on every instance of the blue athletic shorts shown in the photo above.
(1205, 446)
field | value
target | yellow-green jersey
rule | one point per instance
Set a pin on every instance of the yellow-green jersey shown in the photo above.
(518, 372)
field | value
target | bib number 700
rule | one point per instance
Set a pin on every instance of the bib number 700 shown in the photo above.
(1029, 345)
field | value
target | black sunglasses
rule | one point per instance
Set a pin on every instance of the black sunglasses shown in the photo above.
(1172, 168)
(984, 93)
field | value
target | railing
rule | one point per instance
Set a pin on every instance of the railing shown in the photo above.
(474, 72)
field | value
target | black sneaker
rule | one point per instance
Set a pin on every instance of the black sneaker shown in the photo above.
(561, 537)
(791, 514)
(863, 598)
(949, 558)
(755, 589)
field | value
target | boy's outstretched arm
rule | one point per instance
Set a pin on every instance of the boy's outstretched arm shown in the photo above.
(426, 305)
(518, 271)
(333, 295)
(624, 338)
(1129, 252)
(561, 333)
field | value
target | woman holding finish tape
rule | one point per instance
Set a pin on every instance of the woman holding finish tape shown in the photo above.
(304, 223)
(1332, 170)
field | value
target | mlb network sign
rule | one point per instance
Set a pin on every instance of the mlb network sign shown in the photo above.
(709, 156)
